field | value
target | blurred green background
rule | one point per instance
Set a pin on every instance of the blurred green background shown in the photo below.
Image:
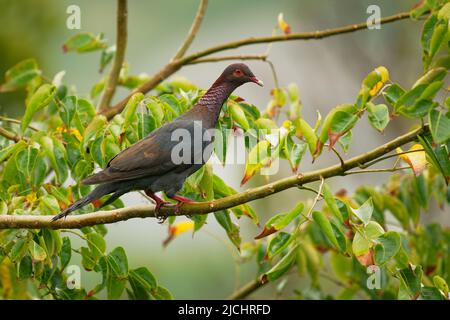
(328, 73)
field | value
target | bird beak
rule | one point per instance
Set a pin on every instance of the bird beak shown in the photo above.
(257, 81)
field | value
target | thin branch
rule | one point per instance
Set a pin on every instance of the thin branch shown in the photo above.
(274, 73)
(376, 170)
(103, 217)
(119, 56)
(15, 121)
(193, 31)
(388, 157)
(262, 57)
(9, 135)
(310, 189)
(246, 290)
(174, 65)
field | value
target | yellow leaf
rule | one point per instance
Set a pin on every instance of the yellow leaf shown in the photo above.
(286, 28)
(383, 72)
(416, 159)
(177, 229)
(181, 227)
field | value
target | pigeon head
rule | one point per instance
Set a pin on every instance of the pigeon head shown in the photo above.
(238, 74)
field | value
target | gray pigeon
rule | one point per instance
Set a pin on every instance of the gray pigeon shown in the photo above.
(152, 164)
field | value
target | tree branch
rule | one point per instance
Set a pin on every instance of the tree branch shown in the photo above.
(262, 57)
(174, 65)
(246, 290)
(193, 31)
(119, 56)
(104, 217)
(9, 135)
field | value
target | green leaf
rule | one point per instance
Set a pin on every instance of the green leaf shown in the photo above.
(26, 161)
(66, 252)
(431, 293)
(130, 109)
(431, 76)
(18, 250)
(282, 266)
(238, 115)
(88, 260)
(84, 42)
(392, 93)
(97, 124)
(331, 202)
(49, 205)
(162, 293)
(378, 116)
(278, 244)
(106, 57)
(25, 268)
(364, 212)
(39, 100)
(6, 152)
(37, 252)
(20, 75)
(363, 240)
(308, 133)
(115, 287)
(325, 226)
(441, 284)
(439, 126)
(437, 39)
(144, 278)
(232, 230)
(96, 244)
(119, 262)
(342, 122)
(387, 248)
(280, 221)
(68, 108)
(412, 280)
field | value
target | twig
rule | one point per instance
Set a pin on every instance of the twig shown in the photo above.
(103, 217)
(9, 135)
(246, 290)
(15, 121)
(375, 170)
(119, 56)
(274, 73)
(193, 31)
(262, 57)
(174, 65)
(388, 157)
(310, 189)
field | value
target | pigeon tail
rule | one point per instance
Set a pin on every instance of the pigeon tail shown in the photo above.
(95, 194)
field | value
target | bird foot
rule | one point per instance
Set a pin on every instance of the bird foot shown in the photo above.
(158, 204)
(162, 217)
(181, 200)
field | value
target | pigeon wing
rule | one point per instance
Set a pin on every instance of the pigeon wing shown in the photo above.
(150, 156)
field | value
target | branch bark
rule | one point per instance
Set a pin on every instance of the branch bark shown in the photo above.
(193, 31)
(174, 65)
(104, 217)
(9, 135)
(262, 57)
(119, 56)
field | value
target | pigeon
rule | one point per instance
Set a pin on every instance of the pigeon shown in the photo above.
(164, 159)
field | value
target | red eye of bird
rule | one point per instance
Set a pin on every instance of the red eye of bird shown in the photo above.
(237, 73)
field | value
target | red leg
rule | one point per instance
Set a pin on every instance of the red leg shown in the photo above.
(181, 200)
(158, 204)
